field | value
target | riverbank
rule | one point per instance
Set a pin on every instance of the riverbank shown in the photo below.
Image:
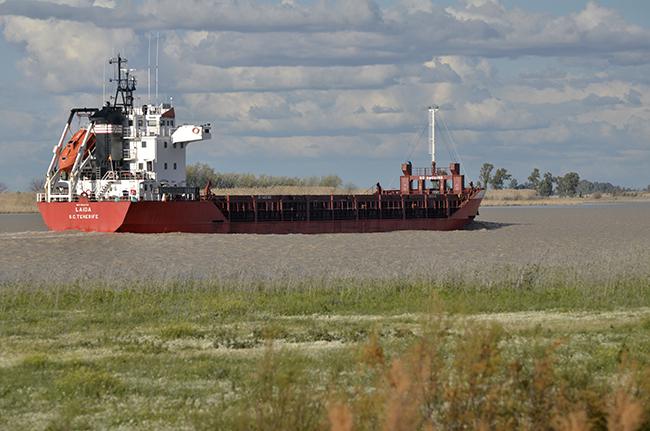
(508, 197)
(17, 202)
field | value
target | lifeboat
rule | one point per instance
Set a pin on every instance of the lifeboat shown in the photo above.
(69, 152)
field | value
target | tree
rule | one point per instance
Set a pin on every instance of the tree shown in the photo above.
(587, 187)
(199, 174)
(567, 184)
(533, 179)
(3, 187)
(514, 184)
(331, 181)
(545, 186)
(36, 185)
(486, 174)
(500, 176)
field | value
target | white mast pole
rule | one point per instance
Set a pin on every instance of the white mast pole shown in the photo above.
(103, 84)
(157, 41)
(149, 71)
(432, 131)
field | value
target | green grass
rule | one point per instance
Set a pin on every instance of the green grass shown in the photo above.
(234, 300)
(316, 354)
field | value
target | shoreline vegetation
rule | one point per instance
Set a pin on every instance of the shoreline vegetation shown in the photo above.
(17, 202)
(525, 197)
(25, 202)
(337, 355)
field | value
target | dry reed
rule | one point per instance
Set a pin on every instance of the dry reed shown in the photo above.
(470, 381)
(17, 202)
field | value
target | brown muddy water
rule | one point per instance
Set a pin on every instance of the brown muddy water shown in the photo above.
(599, 241)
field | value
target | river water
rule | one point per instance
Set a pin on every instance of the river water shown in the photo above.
(598, 241)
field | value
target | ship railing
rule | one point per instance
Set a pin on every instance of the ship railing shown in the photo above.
(179, 193)
(43, 197)
(129, 137)
(92, 197)
(428, 172)
(126, 175)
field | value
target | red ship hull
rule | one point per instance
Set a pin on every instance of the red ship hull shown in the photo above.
(205, 217)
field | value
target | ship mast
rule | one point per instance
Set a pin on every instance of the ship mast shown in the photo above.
(432, 131)
(125, 85)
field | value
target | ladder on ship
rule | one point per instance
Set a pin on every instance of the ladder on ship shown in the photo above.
(105, 188)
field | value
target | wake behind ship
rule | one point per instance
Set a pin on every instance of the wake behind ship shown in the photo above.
(125, 171)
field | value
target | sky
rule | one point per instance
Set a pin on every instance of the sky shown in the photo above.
(318, 87)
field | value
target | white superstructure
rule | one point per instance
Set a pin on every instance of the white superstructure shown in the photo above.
(134, 153)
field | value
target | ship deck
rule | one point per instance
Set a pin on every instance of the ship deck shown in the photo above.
(306, 208)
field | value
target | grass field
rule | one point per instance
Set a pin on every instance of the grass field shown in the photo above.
(347, 354)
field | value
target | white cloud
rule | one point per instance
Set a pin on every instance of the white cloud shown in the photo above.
(208, 78)
(466, 68)
(64, 55)
(246, 15)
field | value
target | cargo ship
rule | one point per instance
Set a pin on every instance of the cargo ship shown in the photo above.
(124, 170)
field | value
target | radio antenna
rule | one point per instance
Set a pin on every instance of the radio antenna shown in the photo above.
(149, 71)
(103, 84)
(432, 132)
(157, 40)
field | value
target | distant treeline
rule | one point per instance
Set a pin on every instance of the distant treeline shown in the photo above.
(587, 187)
(199, 174)
(547, 184)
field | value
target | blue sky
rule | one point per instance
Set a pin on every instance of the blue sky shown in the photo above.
(333, 86)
